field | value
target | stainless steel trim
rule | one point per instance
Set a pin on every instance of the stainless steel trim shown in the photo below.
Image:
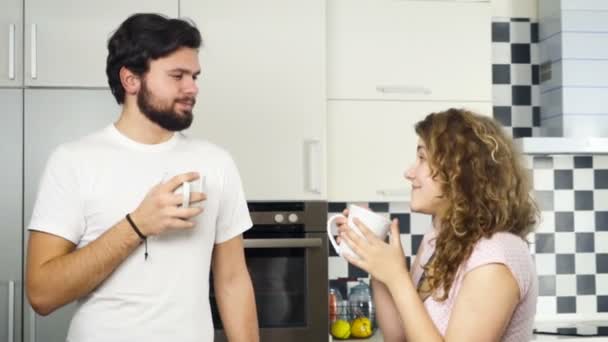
(283, 243)
(33, 53)
(314, 176)
(11, 51)
(11, 311)
(32, 325)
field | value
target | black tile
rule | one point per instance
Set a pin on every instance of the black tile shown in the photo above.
(585, 242)
(567, 331)
(601, 221)
(521, 95)
(535, 74)
(562, 179)
(522, 132)
(544, 198)
(544, 242)
(546, 285)
(340, 285)
(524, 20)
(379, 207)
(583, 162)
(564, 263)
(585, 284)
(501, 74)
(520, 53)
(536, 116)
(602, 303)
(534, 32)
(503, 115)
(356, 272)
(332, 251)
(501, 32)
(564, 221)
(416, 240)
(404, 222)
(583, 200)
(601, 263)
(566, 305)
(600, 179)
(336, 207)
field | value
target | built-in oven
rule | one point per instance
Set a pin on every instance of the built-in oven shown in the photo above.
(286, 254)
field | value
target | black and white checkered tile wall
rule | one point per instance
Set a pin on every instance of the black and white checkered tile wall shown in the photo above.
(515, 75)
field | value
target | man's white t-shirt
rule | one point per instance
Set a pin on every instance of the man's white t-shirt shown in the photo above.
(91, 184)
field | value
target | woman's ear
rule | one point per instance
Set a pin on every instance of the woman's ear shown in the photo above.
(130, 81)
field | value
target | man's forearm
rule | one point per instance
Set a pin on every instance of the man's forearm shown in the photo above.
(66, 278)
(237, 307)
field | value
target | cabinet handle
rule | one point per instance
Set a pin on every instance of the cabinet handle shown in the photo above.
(11, 51)
(11, 311)
(314, 173)
(403, 89)
(33, 53)
(394, 192)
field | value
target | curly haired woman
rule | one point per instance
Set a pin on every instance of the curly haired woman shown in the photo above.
(473, 278)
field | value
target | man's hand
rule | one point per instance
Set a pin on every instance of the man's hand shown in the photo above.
(159, 211)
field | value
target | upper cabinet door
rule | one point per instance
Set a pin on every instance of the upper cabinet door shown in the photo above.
(410, 50)
(262, 91)
(66, 41)
(11, 41)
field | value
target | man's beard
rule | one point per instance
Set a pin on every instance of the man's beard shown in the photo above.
(165, 116)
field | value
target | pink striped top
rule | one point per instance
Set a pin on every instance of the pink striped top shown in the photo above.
(503, 248)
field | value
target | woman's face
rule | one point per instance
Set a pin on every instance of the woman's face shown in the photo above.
(426, 192)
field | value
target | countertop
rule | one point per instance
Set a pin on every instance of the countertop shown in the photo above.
(377, 337)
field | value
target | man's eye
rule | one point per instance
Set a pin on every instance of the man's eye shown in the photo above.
(177, 77)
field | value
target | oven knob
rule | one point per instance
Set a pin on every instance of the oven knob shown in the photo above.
(278, 218)
(292, 218)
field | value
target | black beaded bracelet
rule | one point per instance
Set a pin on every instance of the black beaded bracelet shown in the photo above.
(140, 234)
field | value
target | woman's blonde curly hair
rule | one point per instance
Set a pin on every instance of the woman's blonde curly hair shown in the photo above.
(485, 187)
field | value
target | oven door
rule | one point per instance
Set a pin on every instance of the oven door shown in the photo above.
(289, 276)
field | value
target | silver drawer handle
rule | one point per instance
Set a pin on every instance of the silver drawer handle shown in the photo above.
(283, 243)
(11, 51)
(11, 311)
(33, 53)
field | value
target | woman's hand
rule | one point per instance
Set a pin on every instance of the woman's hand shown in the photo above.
(383, 261)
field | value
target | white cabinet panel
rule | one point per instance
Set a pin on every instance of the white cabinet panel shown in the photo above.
(372, 143)
(66, 41)
(11, 42)
(262, 91)
(412, 50)
(54, 116)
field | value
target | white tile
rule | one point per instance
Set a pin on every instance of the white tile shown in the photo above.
(521, 116)
(501, 53)
(600, 162)
(527, 161)
(521, 74)
(565, 243)
(546, 306)
(536, 95)
(543, 179)
(520, 32)
(420, 223)
(399, 207)
(600, 199)
(563, 162)
(501, 95)
(601, 242)
(545, 264)
(601, 284)
(565, 285)
(563, 200)
(406, 243)
(586, 305)
(547, 222)
(582, 179)
(584, 221)
(584, 263)
(535, 54)
(337, 267)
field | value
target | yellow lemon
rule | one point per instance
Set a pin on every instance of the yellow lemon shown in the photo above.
(340, 329)
(361, 327)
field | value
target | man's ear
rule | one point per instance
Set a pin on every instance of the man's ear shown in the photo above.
(130, 81)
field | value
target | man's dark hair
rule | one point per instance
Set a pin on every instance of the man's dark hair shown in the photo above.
(144, 37)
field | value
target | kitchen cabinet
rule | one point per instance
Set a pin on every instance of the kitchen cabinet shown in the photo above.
(11, 42)
(51, 117)
(66, 41)
(409, 50)
(262, 92)
(373, 143)
(11, 152)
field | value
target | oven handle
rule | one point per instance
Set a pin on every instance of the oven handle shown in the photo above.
(283, 243)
